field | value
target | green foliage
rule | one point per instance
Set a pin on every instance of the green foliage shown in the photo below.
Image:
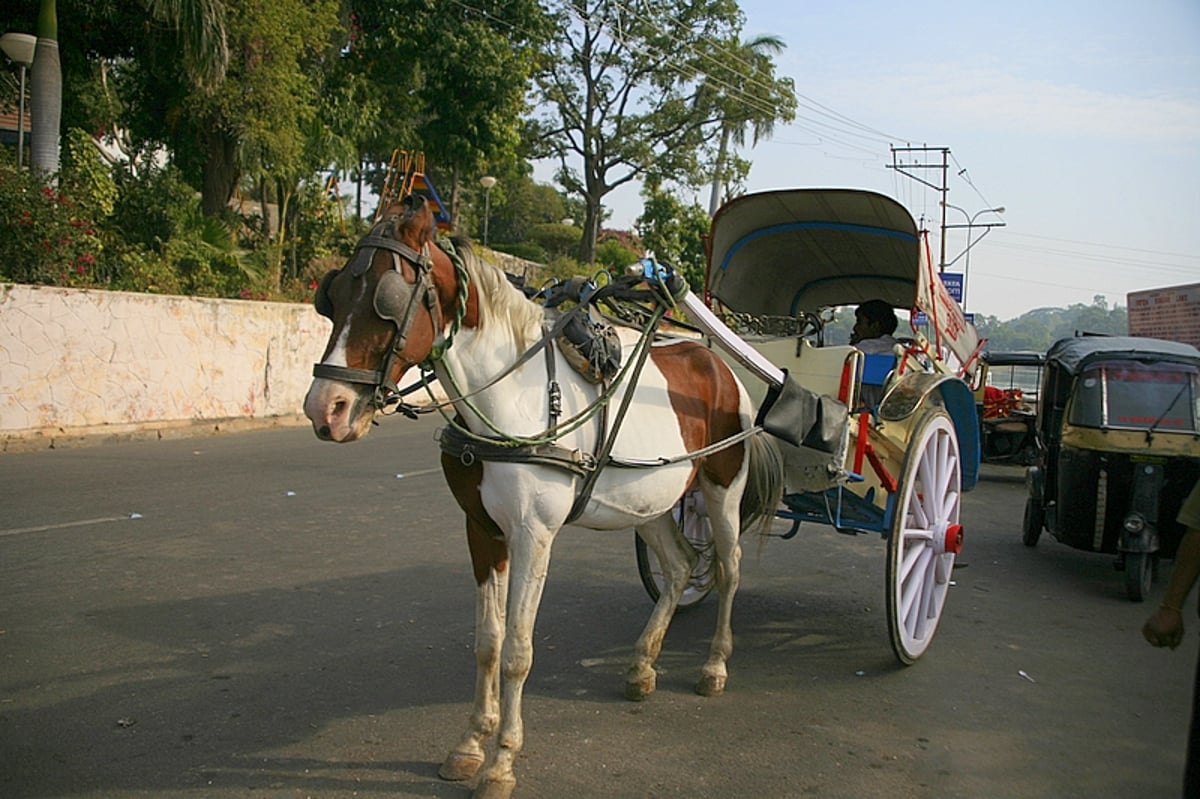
(674, 233)
(1036, 330)
(516, 204)
(527, 250)
(152, 207)
(46, 236)
(323, 233)
(86, 176)
(618, 108)
(615, 256)
(555, 238)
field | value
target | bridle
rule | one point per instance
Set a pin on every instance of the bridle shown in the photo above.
(396, 300)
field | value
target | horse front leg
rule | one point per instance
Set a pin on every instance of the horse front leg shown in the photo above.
(528, 566)
(727, 555)
(676, 558)
(487, 554)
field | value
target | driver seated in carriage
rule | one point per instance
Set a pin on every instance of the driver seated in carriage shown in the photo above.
(874, 324)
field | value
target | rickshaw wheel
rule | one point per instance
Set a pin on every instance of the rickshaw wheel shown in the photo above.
(1139, 574)
(925, 535)
(1031, 525)
(689, 513)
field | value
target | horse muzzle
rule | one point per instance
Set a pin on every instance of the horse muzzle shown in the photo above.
(338, 411)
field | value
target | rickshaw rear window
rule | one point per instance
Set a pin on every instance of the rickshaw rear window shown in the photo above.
(1136, 395)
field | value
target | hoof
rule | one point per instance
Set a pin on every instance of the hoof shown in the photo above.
(637, 690)
(710, 685)
(495, 789)
(458, 766)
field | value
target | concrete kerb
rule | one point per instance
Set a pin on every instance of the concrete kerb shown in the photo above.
(97, 435)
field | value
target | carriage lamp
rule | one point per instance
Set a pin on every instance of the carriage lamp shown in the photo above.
(1134, 523)
(20, 48)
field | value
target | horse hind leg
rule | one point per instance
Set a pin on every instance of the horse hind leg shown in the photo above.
(723, 515)
(676, 558)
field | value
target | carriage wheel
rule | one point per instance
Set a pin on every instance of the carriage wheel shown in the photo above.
(1139, 574)
(925, 536)
(696, 530)
(1034, 520)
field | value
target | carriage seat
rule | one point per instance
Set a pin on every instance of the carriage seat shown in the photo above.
(819, 369)
(875, 372)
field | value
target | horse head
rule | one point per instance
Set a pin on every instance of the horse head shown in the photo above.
(390, 305)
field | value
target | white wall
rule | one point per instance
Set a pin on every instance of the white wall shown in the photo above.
(82, 363)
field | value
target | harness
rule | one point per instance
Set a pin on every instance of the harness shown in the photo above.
(469, 447)
(396, 300)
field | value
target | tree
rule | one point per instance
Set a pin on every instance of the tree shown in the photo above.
(449, 79)
(627, 96)
(621, 94)
(674, 233)
(768, 100)
(45, 94)
(102, 31)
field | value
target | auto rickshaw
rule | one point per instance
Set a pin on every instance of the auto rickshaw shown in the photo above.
(1119, 450)
(1007, 399)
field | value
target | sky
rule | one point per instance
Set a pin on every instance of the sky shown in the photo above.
(1080, 118)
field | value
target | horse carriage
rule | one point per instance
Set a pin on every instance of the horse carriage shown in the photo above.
(559, 417)
(891, 439)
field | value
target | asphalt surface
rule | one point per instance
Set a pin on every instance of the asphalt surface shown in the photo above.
(265, 615)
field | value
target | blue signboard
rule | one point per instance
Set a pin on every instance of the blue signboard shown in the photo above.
(953, 281)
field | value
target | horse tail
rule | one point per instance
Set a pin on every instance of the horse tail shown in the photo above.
(764, 482)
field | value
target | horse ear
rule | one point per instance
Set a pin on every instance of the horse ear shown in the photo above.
(413, 204)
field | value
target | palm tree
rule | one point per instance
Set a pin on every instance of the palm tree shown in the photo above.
(45, 93)
(753, 72)
(201, 27)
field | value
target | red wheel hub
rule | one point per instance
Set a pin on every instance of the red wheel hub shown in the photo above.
(953, 542)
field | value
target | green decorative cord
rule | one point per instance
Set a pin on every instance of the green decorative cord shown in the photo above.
(464, 280)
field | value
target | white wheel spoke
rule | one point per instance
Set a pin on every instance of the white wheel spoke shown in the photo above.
(912, 552)
(911, 589)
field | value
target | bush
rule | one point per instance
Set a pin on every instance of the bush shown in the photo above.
(153, 207)
(556, 238)
(525, 250)
(46, 237)
(615, 256)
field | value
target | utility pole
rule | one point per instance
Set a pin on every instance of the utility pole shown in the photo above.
(903, 168)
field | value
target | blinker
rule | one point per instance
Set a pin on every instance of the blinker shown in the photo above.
(393, 297)
(321, 300)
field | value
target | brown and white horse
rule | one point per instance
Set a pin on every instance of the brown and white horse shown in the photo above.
(402, 300)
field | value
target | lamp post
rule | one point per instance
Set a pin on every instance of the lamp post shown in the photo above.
(487, 181)
(19, 47)
(970, 226)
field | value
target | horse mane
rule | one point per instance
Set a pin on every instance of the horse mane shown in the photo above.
(500, 302)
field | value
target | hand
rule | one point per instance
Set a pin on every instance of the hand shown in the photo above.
(1164, 628)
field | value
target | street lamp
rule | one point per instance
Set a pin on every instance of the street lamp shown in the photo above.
(19, 47)
(487, 181)
(970, 226)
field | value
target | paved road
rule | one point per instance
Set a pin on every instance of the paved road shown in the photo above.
(286, 618)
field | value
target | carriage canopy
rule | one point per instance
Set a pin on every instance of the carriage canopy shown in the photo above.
(786, 252)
